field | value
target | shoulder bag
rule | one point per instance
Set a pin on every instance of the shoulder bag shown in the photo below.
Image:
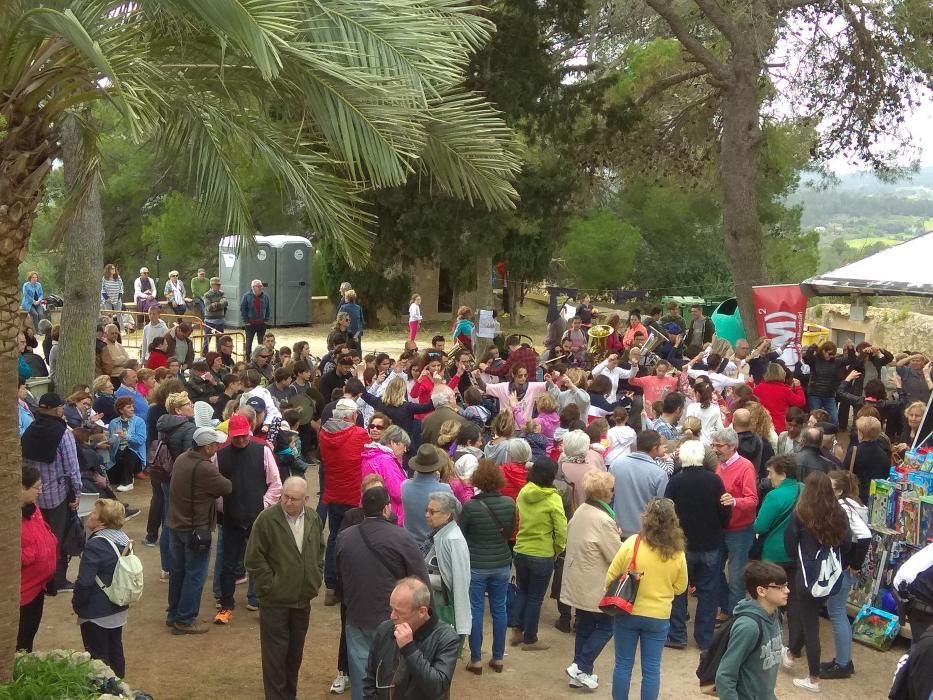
(758, 545)
(495, 518)
(379, 556)
(621, 593)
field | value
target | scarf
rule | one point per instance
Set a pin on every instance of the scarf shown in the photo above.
(177, 297)
(596, 503)
(41, 440)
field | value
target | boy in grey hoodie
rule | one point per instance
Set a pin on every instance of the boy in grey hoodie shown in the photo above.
(749, 667)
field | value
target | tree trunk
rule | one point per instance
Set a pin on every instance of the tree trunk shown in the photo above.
(84, 243)
(740, 155)
(26, 152)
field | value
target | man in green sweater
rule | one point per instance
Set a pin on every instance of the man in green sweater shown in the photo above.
(749, 667)
(198, 288)
(285, 556)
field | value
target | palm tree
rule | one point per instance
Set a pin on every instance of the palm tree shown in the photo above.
(333, 96)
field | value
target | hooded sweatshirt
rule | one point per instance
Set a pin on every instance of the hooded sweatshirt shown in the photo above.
(341, 445)
(379, 459)
(747, 671)
(543, 526)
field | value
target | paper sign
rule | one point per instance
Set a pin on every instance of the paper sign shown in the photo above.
(487, 324)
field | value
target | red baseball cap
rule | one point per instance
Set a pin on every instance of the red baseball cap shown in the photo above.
(238, 426)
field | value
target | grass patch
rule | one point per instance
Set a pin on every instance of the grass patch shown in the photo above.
(871, 240)
(49, 679)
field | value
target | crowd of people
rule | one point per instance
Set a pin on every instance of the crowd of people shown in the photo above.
(446, 472)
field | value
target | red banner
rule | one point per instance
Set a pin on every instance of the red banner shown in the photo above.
(779, 312)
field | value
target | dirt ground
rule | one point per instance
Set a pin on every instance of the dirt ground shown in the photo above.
(225, 663)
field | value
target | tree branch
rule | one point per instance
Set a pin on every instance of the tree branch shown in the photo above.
(689, 41)
(669, 82)
(721, 20)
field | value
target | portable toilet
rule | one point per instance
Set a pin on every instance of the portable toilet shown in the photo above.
(728, 321)
(282, 262)
(291, 293)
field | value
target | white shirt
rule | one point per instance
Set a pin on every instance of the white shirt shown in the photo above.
(150, 333)
(297, 526)
(615, 375)
(710, 419)
(719, 381)
(414, 313)
(913, 567)
(621, 439)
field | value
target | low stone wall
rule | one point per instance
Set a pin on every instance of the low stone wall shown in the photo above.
(888, 328)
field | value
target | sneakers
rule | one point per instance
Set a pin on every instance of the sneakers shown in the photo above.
(572, 670)
(340, 684)
(125, 487)
(193, 628)
(787, 659)
(150, 542)
(807, 684)
(131, 513)
(833, 671)
(223, 617)
(252, 607)
(330, 598)
(66, 586)
(579, 679)
(163, 576)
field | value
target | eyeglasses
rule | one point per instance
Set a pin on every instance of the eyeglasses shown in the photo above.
(718, 444)
(779, 586)
(433, 511)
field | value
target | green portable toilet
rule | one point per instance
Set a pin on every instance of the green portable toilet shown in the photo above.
(728, 321)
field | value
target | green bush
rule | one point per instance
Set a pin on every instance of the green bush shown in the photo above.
(49, 679)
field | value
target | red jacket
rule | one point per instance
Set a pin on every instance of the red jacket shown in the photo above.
(342, 458)
(777, 397)
(39, 556)
(516, 476)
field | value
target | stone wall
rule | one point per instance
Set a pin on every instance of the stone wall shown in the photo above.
(888, 328)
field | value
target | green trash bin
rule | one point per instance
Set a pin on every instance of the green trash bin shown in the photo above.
(728, 321)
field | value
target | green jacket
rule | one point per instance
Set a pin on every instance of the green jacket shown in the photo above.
(748, 668)
(489, 548)
(542, 529)
(775, 513)
(284, 577)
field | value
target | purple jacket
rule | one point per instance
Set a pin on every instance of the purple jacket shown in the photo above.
(379, 459)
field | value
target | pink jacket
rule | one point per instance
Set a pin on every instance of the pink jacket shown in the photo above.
(379, 459)
(527, 405)
(549, 423)
(654, 388)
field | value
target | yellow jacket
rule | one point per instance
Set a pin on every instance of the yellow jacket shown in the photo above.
(660, 582)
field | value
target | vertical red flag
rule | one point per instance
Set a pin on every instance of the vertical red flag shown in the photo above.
(779, 313)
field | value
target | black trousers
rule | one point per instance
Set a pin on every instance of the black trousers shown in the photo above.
(156, 503)
(235, 538)
(30, 615)
(106, 645)
(252, 332)
(805, 626)
(57, 518)
(282, 633)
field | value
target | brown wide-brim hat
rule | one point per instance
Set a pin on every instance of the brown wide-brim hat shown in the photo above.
(426, 460)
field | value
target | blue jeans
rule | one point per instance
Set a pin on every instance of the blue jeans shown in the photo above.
(827, 403)
(532, 575)
(359, 644)
(188, 574)
(734, 553)
(335, 512)
(594, 630)
(651, 632)
(842, 629)
(165, 542)
(703, 571)
(495, 582)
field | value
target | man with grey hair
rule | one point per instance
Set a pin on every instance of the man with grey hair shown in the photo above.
(445, 409)
(413, 654)
(285, 584)
(341, 445)
(810, 457)
(739, 479)
(255, 309)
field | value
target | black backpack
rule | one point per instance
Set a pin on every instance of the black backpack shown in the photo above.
(710, 659)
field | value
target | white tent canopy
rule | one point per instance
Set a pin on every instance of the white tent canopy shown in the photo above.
(902, 270)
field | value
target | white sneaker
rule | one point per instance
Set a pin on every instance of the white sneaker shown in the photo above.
(125, 488)
(572, 670)
(339, 686)
(807, 684)
(163, 577)
(787, 659)
(587, 681)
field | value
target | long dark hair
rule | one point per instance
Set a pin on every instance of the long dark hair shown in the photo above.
(820, 513)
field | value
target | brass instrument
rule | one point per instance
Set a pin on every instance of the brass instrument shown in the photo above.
(452, 364)
(597, 349)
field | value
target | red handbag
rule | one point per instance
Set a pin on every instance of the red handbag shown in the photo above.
(620, 596)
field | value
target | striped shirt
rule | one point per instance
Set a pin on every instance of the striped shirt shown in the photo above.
(111, 290)
(59, 476)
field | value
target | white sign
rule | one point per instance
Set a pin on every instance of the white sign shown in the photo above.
(261, 255)
(487, 324)
(229, 259)
(299, 254)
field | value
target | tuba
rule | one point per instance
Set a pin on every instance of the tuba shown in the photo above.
(597, 348)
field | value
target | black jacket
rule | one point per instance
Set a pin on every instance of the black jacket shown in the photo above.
(421, 670)
(750, 446)
(872, 461)
(825, 375)
(364, 583)
(179, 433)
(246, 470)
(696, 493)
(489, 549)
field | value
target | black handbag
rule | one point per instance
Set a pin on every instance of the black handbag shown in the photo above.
(621, 593)
(74, 536)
